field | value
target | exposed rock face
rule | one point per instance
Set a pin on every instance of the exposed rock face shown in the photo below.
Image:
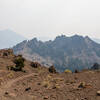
(72, 53)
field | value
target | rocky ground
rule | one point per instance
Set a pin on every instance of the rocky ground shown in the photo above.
(40, 84)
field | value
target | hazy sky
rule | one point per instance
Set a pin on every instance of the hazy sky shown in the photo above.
(49, 18)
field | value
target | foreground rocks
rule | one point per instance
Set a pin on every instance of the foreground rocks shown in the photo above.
(98, 93)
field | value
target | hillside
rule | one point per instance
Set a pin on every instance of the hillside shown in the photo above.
(37, 82)
(9, 38)
(74, 52)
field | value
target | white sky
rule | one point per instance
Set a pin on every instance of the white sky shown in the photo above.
(49, 18)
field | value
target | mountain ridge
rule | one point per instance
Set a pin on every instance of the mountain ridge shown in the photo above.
(75, 52)
(97, 40)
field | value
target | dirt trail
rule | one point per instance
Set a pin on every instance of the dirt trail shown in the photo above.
(7, 85)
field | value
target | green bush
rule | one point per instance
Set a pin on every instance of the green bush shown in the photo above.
(19, 64)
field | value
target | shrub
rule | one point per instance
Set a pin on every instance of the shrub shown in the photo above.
(35, 64)
(76, 71)
(19, 64)
(82, 85)
(56, 86)
(5, 54)
(52, 69)
(68, 71)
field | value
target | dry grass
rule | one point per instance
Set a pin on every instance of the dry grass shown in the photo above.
(46, 84)
(68, 71)
(10, 75)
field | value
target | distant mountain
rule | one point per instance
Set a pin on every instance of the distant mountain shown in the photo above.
(74, 52)
(96, 40)
(9, 38)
